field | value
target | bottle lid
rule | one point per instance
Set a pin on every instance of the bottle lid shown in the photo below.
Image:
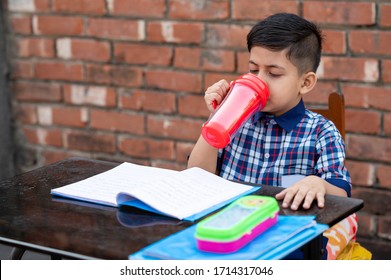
(215, 135)
(256, 84)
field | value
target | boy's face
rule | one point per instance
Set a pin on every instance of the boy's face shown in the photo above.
(282, 77)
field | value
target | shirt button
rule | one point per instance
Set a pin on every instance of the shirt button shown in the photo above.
(267, 155)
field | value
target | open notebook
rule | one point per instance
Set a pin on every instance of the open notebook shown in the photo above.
(185, 195)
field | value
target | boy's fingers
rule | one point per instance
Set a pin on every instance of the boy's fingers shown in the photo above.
(215, 94)
(320, 198)
(280, 195)
(297, 201)
(308, 200)
(212, 100)
(288, 195)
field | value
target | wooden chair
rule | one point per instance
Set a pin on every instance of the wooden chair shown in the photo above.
(335, 111)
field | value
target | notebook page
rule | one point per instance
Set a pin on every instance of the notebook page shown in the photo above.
(185, 193)
(104, 187)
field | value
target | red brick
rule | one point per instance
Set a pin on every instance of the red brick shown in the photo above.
(137, 8)
(319, 95)
(175, 32)
(80, 6)
(257, 10)
(183, 150)
(361, 173)
(143, 54)
(67, 116)
(42, 5)
(345, 13)
(51, 156)
(37, 92)
(83, 49)
(387, 123)
(21, 24)
(362, 121)
(384, 227)
(369, 148)
(349, 69)
(174, 80)
(90, 95)
(384, 176)
(187, 58)
(22, 69)
(140, 161)
(366, 224)
(59, 71)
(168, 165)
(117, 121)
(149, 101)
(135, 147)
(35, 47)
(58, 25)
(161, 149)
(174, 128)
(46, 137)
(193, 106)
(205, 59)
(25, 113)
(386, 73)
(227, 36)
(90, 141)
(218, 60)
(376, 201)
(31, 135)
(111, 28)
(199, 10)
(211, 78)
(242, 58)
(370, 42)
(148, 148)
(364, 96)
(114, 75)
(385, 12)
(334, 41)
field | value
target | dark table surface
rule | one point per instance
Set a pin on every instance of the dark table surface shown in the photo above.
(32, 218)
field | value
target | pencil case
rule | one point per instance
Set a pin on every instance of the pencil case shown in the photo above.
(236, 225)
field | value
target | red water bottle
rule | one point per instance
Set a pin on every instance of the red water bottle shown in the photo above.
(247, 95)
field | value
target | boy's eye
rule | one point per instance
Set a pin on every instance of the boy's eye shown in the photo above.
(254, 71)
(274, 75)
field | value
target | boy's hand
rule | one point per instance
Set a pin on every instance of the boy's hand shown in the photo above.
(304, 192)
(215, 94)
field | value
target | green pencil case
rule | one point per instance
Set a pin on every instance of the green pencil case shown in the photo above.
(236, 225)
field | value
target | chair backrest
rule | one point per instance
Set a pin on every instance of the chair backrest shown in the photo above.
(335, 111)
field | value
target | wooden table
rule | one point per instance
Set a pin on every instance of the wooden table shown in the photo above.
(31, 218)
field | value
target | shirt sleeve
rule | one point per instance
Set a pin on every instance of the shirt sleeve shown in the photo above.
(330, 165)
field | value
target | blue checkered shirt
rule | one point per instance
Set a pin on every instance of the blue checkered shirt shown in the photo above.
(299, 142)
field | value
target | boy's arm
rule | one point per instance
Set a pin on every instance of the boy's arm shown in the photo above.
(203, 156)
(306, 191)
(330, 165)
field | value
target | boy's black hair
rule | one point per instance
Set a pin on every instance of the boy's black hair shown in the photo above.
(301, 38)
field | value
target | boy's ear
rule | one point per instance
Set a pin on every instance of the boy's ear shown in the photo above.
(308, 82)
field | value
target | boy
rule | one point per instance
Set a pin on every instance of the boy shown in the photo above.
(284, 140)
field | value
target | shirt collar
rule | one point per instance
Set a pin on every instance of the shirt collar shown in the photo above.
(287, 120)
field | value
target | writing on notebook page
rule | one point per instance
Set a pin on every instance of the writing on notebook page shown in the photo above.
(187, 194)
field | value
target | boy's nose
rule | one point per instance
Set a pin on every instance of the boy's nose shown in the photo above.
(263, 77)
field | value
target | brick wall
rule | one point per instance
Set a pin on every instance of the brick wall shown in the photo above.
(123, 80)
